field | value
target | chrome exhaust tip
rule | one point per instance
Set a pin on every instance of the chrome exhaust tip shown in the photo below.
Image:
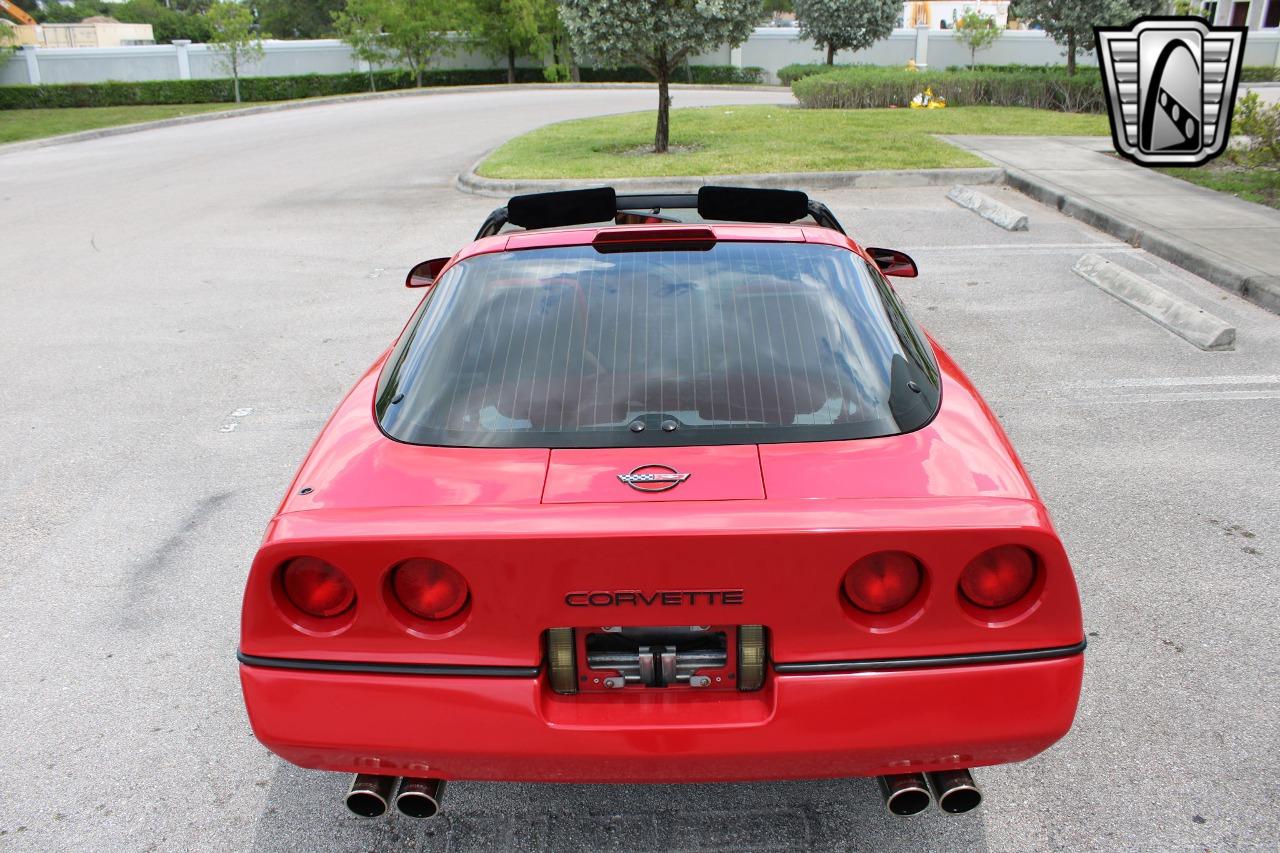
(370, 795)
(905, 793)
(956, 791)
(420, 798)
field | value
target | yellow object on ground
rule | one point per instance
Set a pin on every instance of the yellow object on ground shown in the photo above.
(926, 100)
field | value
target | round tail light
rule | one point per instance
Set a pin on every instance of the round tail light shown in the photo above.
(880, 583)
(316, 588)
(999, 577)
(429, 590)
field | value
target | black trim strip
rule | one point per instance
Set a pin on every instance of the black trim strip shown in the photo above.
(923, 663)
(794, 668)
(389, 668)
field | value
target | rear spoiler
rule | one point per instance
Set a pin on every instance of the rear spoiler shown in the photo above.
(602, 204)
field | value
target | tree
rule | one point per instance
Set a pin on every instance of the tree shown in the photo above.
(167, 24)
(56, 13)
(232, 36)
(978, 32)
(298, 19)
(846, 24)
(1071, 22)
(557, 37)
(509, 28)
(657, 35)
(364, 35)
(411, 32)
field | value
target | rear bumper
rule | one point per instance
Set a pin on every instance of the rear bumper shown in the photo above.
(799, 726)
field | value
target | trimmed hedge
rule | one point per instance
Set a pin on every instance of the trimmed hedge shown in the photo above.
(1060, 70)
(861, 88)
(116, 94)
(1248, 74)
(704, 74)
(789, 74)
(1259, 74)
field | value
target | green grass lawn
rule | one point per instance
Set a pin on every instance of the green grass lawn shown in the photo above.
(745, 140)
(19, 125)
(1257, 185)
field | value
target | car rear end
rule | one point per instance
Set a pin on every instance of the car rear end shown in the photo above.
(803, 550)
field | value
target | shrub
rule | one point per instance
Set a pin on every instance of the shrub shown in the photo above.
(789, 74)
(1257, 129)
(726, 74)
(115, 93)
(1060, 70)
(705, 74)
(860, 88)
(558, 73)
(1259, 74)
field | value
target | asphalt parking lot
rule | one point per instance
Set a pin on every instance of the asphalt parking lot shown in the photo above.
(181, 309)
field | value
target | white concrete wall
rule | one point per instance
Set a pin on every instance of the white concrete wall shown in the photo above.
(1014, 47)
(769, 48)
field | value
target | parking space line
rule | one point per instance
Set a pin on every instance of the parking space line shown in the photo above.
(1178, 381)
(1016, 247)
(1183, 397)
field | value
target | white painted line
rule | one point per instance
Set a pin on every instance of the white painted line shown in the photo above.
(1023, 247)
(1179, 316)
(1178, 381)
(1182, 397)
(988, 208)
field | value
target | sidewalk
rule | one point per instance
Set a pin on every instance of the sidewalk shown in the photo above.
(1233, 243)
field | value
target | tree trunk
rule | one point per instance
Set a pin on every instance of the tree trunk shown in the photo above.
(511, 65)
(372, 86)
(1071, 54)
(575, 74)
(235, 79)
(831, 54)
(417, 72)
(662, 137)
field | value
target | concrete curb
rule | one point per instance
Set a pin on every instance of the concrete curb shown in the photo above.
(988, 208)
(281, 106)
(1256, 286)
(1177, 315)
(471, 182)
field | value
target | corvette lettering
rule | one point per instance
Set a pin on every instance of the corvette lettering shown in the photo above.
(660, 598)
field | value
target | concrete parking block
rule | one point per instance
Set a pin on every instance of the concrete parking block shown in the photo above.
(1177, 315)
(1217, 237)
(990, 209)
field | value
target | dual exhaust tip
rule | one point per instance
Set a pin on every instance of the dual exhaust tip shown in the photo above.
(911, 793)
(371, 796)
(904, 794)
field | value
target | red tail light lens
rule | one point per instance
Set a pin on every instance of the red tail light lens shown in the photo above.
(999, 577)
(429, 590)
(316, 588)
(880, 583)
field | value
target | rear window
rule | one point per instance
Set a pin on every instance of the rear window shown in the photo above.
(735, 343)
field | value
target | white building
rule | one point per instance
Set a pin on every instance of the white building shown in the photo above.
(943, 15)
(1254, 14)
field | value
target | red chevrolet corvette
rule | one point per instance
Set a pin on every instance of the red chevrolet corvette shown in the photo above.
(661, 488)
